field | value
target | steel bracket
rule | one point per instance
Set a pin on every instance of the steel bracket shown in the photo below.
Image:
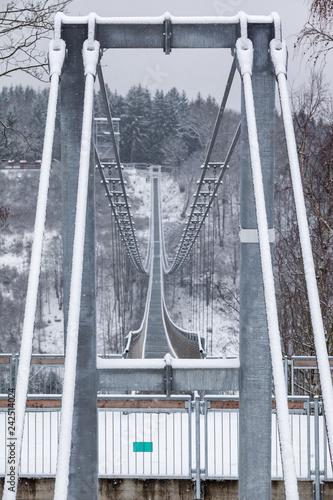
(167, 36)
(168, 379)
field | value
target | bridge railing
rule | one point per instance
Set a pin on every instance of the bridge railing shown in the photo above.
(135, 339)
(157, 437)
(185, 344)
(145, 437)
(45, 376)
(302, 375)
(46, 373)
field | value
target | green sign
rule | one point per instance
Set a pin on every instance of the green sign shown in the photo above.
(142, 446)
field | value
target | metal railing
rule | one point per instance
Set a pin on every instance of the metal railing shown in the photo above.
(45, 376)
(40, 442)
(221, 414)
(159, 437)
(146, 442)
(302, 375)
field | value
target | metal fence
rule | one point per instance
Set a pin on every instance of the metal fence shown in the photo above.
(302, 375)
(45, 376)
(146, 442)
(8, 365)
(222, 444)
(40, 442)
(157, 437)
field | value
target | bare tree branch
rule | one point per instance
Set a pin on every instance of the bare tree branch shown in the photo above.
(24, 25)
(316, 38)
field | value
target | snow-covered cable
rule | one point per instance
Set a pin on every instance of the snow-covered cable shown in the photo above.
(277, 29)
(245, 57)
(279, 58)
(56, 57)
(90, 59)
(243, 26)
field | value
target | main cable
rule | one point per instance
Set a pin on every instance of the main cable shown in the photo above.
(90, 57)
(57, 50)
(278, 52)
(244, 50)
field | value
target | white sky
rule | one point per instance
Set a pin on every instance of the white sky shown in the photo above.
(190, 70)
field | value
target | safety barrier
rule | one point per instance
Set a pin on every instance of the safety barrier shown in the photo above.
(45, 375)
(158, 437)
(302, 375)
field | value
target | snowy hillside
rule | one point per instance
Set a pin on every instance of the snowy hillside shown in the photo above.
(16, 242)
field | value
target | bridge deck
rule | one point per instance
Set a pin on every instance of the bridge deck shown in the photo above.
(156, 341)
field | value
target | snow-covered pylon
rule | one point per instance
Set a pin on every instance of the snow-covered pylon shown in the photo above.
(244, 51)
(91, 54)
(56, 59)
(278, 52)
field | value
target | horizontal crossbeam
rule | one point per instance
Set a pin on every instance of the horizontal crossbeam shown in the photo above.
(158, 375)
(151, 33)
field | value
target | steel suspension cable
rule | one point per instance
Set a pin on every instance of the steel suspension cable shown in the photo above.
(203, 259)
(114, 237)
(114, 203)
(244, 50)
(180, 259)
(279, 57)
(200, 262)
(133, 248)
(113, 268)
(212, 292)
(90, 57)
(209, 275)
(207, 156)
(56, 58)
(118, 299)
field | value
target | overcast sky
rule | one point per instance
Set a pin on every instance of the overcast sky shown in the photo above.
(194, 71)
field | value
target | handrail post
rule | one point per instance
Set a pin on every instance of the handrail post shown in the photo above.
(286, 372)
(316, 484)
(197, 492)
(11, 381)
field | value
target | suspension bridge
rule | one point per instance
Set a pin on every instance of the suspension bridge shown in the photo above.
(163, 365)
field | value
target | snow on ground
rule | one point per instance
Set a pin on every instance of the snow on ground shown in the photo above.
(52, 338)
(138, 189)
(15, 253)
(172, 199)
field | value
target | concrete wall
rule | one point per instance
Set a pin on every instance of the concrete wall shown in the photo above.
(168, 489)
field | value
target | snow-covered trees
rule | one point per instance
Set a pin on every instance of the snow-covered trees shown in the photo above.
(22, 119)
(160, 129)
(25, 26)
